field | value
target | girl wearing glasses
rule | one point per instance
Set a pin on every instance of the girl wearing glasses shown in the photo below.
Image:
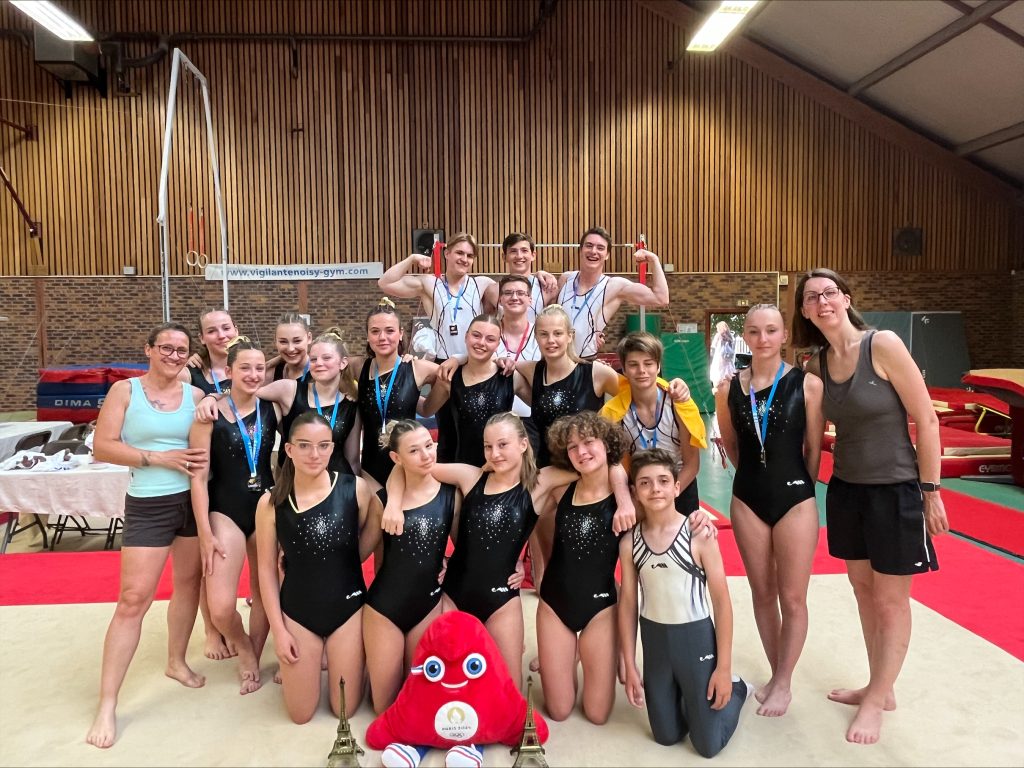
(224, 497)
(406, 594)
(883, 501)
(477, 390)
(144, 424)
(389, 388)
(771, 426)
(327, 524)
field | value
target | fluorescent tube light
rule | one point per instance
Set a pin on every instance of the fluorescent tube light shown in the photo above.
(55, 20)
(720, 24)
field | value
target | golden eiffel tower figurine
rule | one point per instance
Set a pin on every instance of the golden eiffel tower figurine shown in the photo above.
(529, 751)
(346, 750)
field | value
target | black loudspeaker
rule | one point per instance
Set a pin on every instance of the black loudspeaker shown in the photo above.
(423, 240)
(906, 241)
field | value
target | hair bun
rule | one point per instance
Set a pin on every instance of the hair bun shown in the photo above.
(385, 302)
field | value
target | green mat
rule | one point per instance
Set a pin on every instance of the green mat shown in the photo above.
(686, 356)
(1008, 495)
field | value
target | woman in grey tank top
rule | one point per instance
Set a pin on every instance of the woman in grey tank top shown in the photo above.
(883, 499)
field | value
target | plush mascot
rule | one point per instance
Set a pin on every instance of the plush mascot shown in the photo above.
(459, 695)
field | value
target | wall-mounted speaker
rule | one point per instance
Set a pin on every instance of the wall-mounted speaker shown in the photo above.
(423, 240)
(907, 241)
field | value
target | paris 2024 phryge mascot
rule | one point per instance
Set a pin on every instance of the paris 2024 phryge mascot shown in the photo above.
(459, 697)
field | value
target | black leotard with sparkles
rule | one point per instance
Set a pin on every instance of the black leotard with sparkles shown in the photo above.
(323, 580)
(199, 380)
(229, 468)
(472, 406)
(579, 581)
(570, 395)
(493, 529)
(773, 488)
(401, 405)
(279, 372)
(405, 589)
(343, 424)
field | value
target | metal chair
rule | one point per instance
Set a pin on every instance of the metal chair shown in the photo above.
(33, 440)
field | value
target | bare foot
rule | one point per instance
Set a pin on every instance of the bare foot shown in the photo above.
(277, 676)
(250, 681)
(776, 702)
(183, 674)
(866, 726)
(216, 648)
(762, 693)
(535, 664)
(854, 696)
(249, 667)
(104, 727)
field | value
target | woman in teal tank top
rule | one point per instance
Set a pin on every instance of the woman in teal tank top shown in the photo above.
(144, 424)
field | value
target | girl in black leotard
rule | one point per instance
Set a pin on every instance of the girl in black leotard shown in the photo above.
(329, 390)
(389, 389)
(773, 510)
(292, 337)
(497, 515)
(216, 331)
(327, 523)
(576, 612)
(478, 389)
(224, 498)
(406, 594)
(557, 385)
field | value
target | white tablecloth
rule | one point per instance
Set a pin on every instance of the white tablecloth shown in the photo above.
(92, 490)
(12, 431)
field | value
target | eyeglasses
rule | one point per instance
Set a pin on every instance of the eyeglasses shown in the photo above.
(304, 446)
(515, 294)
(813, 297)
(170, 351)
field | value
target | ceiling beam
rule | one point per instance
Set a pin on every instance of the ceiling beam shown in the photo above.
(929, 44)
(815, 88)
(990, 140)
(1012, 35)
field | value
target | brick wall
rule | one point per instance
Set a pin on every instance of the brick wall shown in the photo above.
(1016, 330)
(94, 320)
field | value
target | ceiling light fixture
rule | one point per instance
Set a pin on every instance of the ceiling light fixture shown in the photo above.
(720, 24)
(55, 20)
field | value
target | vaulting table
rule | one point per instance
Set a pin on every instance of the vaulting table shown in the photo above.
(90, 490)
(1007, 384)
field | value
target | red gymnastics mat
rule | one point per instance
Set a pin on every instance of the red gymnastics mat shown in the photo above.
(950, 466)
(992, 524)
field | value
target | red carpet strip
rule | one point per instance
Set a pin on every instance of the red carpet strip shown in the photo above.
(978, 590)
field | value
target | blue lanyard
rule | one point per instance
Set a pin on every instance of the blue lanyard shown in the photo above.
(305, 373)
(216, 384)
(337, 401)
(762, 433)
(653, 442)
(252, 451)
(587, 296)
(382, 404)
(458, 299)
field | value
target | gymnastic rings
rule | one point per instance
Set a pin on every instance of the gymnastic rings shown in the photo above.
(196, 259)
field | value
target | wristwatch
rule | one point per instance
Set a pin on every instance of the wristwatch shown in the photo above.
(929, 487)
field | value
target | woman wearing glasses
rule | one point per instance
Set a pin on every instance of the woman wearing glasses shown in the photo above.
(327, 523)
(883, 500)
(240, 442)
(144, 424)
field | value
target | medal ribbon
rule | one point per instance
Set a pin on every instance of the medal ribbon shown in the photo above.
(252, 447)
(762, 433)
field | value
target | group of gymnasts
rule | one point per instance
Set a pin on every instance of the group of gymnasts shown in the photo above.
(537, 442)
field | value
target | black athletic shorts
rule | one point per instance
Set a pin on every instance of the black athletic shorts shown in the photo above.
(881, 523)
(156, 521)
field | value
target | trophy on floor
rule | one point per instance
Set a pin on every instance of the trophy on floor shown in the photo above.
(346, 750)
(529, 751)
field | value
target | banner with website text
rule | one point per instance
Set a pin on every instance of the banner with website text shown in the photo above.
(358, 271)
